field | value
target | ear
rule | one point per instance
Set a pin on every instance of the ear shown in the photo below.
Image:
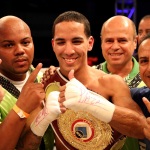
(91, 43)
(135, 42)
(52, 42)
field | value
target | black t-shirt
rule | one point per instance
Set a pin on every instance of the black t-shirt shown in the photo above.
(137, 95)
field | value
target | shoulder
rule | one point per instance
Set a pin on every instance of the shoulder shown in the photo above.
(137, 95)
(97, 72)
(113, 83)
(112, 78)
(140, 92)
(102, 66)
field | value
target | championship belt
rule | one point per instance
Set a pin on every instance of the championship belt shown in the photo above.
(80, 130)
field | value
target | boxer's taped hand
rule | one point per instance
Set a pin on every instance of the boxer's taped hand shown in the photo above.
(79, 98)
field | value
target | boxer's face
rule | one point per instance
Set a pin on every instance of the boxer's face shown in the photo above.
(71, 45)
(144, 61)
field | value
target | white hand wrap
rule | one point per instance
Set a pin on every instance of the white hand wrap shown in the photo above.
(48, 114)
(78, 98)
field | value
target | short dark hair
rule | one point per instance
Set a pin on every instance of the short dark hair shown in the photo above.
(73, 16)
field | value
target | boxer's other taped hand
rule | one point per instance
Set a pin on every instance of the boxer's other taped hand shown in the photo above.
(49, 113)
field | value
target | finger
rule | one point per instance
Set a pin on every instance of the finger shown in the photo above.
(146, 102)
(62, 88)
(0, 61)
(71, 74)
(62, 93)
(61, 96)
(63, 109)
(33, 75)
(52, 69)
(46, 75)
(148, 120)
(61, 99)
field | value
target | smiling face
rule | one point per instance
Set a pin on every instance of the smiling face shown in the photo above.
(16, 47)
(144, 61)
(71, 45)
(118, 41)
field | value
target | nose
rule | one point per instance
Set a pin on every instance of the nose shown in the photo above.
(143, 34)
(141, 37)
(69, 50)
(19, 49)
(115, 45)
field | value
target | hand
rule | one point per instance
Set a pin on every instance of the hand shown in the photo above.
(32, 93)
(147, 103)
(49, 113)
(1, 93)
(147, 127)
(62, 98)
(48, 73)
(52, 105)
(79, 98)
(62, 93)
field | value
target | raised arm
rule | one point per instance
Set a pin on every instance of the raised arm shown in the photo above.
(30, 98)
(122, 119)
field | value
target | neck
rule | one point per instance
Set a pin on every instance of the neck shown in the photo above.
(122, 71)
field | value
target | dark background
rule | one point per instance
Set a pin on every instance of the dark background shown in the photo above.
(40, 14)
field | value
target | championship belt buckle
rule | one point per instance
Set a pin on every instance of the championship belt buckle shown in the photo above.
(83, 131)
(80, 129)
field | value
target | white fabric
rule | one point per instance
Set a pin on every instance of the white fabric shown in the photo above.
(18, 84)
(78, 98)
(49, 113)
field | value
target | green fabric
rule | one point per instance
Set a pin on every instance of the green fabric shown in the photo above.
(49, 139)
(132, 75)
(8, 102)
(130, 143)
(6, 105)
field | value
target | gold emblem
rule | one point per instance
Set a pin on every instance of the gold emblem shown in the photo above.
(83, 131)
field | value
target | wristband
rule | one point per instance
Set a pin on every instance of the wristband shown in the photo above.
(20, 112)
